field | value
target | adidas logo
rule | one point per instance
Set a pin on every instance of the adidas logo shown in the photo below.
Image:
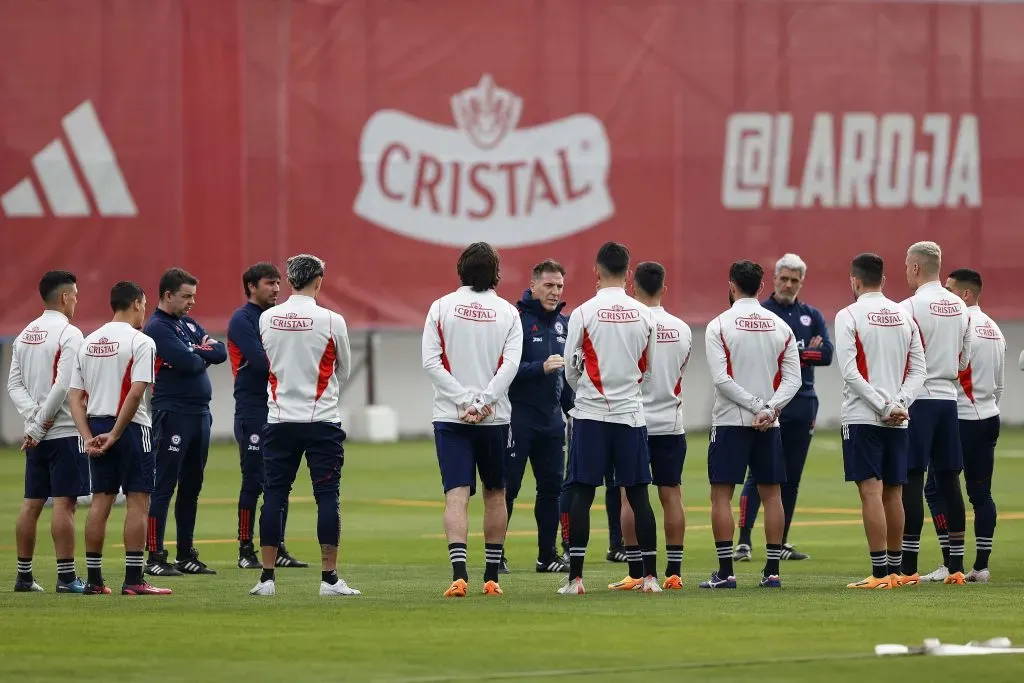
(55, 174)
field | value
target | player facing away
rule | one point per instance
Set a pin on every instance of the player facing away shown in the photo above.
(181, 421)
(42, 362)
(115, 366)
(309, 356)
(666, 438)
(943, 325)
(978, 395)
(755, 366)
(262, 284)
(883, 367)
(796, 423)
(472, 344)
(611, 345)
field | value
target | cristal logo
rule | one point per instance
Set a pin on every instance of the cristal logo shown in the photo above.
(885, 318)
(755, 323)
(618, 314)
(33, 336)
(102, 348)
(987, 331)
(885, 162)
(476, 313)
(290, 322)
(484, 178)
(667, 334)
(944, 308)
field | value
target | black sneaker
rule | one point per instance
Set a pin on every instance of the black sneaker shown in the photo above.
(552, 565)
(247, 558)
(617, 555)
(285, 559)
(192, 565)
(503, 567)
(791, 553)
(157, 565)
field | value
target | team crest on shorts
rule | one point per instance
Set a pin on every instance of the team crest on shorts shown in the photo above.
(176, 439)
(254, 439)
(805, 320)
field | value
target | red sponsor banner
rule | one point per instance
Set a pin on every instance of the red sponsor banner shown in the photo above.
(385, 136)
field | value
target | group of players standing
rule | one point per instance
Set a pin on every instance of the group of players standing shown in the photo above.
(922, 384)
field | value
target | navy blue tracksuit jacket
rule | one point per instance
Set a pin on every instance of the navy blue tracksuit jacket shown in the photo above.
(539, 399)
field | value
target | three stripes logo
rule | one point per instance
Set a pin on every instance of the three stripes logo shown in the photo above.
(56, 175)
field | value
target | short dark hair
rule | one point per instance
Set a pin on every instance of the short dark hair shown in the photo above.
(868, 268)
(613, 259)
(479, 267)
(649, 277)
(173, 279)
(52, 282)
(257, 272)
(966, 276)
(124, 294)
(547, 266)
(303, 269)
(747, 276)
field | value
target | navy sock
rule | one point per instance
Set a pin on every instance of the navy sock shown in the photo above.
(492, 561)
(66, 570)
(330, 577)
(879, 564)
(724, 550)
(133, 564)
(674, 560)
(613, 506)
(94, 567)
(457, 556)
(774, 554)
(579, 528)
(25, 569)
(894, 559)
(635, 562)
(267, 575)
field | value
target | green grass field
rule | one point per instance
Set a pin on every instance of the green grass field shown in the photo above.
(401, 629)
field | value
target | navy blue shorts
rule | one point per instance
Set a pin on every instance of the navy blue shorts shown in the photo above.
(733, 449)
(284, 444)
(876, 452)
(56, 468)
(597, 447)
(465, 449)
(668, 453)
(934, 428)
(129, 465)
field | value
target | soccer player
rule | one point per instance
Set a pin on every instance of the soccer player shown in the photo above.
(943, 325)
(472, 344)
(666, 438)
(796, 423)
(538, 431)
(978, 394)
(42, 361)
(755, 366)
(181, 421)
(883, 368)
(262, 284)
(115, 367)
(611, 344)
(309, 355)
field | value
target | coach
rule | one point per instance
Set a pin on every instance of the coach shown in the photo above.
(538, 430)
(797, 419)
(181, 420)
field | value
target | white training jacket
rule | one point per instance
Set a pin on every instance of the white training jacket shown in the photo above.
(942, 322)
(754, 363)
(663, 397)
(880, 357)
(611, 345)
(472, 345)
(981, 382)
